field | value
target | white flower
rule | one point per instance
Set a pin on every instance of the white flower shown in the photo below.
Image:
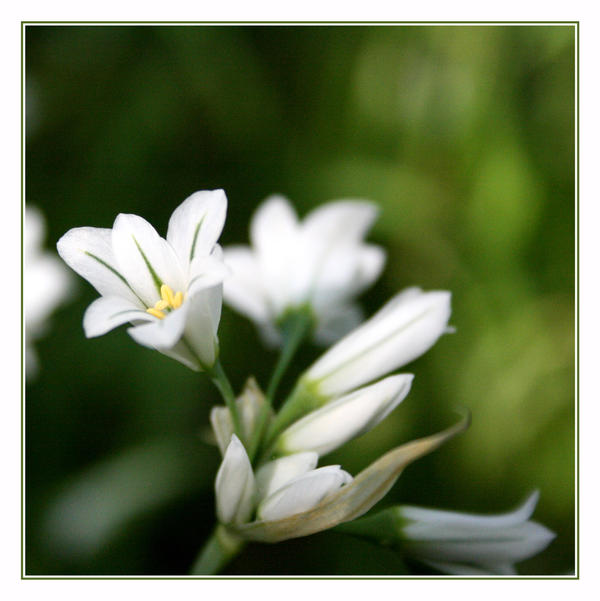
(47, 283)
(463, 543)
(171, 290)
(345, 418)
(402, 330)
(321, 262)
(287, 486)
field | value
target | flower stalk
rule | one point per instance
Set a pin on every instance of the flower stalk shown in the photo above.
(295, 328)
(217, 552)
(221, 381)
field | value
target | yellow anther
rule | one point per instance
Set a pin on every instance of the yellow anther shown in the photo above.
(166, 293)
(155, 312)
(161, 304)
(177, 300)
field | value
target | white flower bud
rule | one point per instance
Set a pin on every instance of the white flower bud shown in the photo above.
(303, 493)
(275, 474)
(234, 486)
(341, 420)
(405, 328)
(462, 543)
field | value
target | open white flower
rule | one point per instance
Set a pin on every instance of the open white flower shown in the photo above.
(171, 290)
(402, 330)
(46, 282)
(464, 543)
(321, 262)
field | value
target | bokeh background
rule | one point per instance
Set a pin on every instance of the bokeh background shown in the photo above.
(464, 135)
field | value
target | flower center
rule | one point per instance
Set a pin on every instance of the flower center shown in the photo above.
(167, 303)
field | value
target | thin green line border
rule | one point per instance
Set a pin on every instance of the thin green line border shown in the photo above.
(575, 24)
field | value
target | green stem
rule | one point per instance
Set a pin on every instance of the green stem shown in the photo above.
(294, 329)
(220, 380)
(301, 401)
(217, 552)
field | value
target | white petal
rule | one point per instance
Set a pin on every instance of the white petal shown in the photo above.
(272, 222)
(274, 233)
(303, 493)
(326, 261)
(47, 282)
(382, 344)
(345, 273)
(108, 312)
(35, 230)
(206, 271)
(490, 547)
(243, 289)
(88, 251)
(234, 485)
(275, 474)
(162, 333)
(467, 538)
(181, 352)
(145, 259)
(371, 262)
(339, 421)
(196, 224)
(222, 425)
(342, 219)
(203, 322)
(429, 521)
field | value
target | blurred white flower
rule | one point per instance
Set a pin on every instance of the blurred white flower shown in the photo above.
(463, 543)
(47, 284)
(345, 418)
(402, 330)
(170, 290)
(321, 263)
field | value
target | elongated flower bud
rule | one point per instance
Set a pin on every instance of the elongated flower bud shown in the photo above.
(303, 493)
(234, 486)
(405, 328)
(459, 543)
(341, 420)
(496, 542)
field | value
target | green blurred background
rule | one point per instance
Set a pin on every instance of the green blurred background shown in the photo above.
(464, 135)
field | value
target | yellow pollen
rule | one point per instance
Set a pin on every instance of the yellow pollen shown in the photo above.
(161, 304)
(155, 312)
(166, 293)
(177, 300)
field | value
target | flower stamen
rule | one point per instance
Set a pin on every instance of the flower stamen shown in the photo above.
(166, 293)
(167, 302)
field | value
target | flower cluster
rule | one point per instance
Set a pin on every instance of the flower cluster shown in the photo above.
(298, 280)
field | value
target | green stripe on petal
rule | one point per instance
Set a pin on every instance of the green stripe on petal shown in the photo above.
(113, 270)
(157, 281)
(195, 238)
